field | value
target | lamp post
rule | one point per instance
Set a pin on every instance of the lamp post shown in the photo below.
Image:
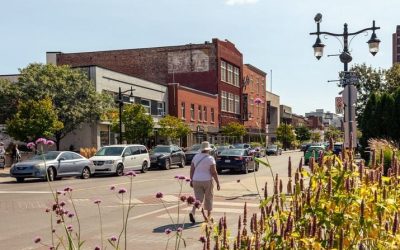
(120, 102)
(345, 57)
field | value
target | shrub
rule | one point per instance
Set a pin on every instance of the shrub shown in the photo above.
(384, 150)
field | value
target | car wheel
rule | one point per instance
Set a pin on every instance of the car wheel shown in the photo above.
(85, 173)
(245, 169)
(167, 164)
(120, 170)
(20, 179)
(50, 174)
(182, 164)
(145, 167)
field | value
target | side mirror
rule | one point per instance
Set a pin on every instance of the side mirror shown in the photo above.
(61, 159)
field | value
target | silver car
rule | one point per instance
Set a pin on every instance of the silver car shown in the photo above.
(57, 163)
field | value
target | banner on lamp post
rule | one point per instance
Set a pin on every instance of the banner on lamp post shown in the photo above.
(339, 105)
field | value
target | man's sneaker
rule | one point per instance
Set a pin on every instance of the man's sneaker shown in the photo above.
(191, 217)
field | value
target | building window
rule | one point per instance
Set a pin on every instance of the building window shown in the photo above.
(192, 112)
(237, 104)
(183, 110)
(230, 73)
(230, 102)
(223, 71)
(205, 113)
(199, 114)
(160, 108)
(236, 77)
(223, 100)
(252, 107)
(212, 114)
(146, 104)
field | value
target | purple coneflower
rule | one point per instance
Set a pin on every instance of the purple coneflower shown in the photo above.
(159, 195)
(97, 202)
(168, 231)
(190, 200)
(122, 191)
(37, 240)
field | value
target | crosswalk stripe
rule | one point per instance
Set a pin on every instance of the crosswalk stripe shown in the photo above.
(24, 192)
(170, 198)
(235, 204)
(133, 201)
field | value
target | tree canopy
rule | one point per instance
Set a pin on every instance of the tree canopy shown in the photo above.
(333, 133)
(173, 128)
(303, 133)
(234, 129)
(9, 96)
(34, 119)
(285, 134)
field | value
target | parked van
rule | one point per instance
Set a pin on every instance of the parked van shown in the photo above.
(116, 159)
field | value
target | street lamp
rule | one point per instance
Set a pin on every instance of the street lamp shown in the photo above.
(120, 102)
(345, 56)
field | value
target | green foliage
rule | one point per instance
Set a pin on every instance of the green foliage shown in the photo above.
(234, 129)
(303, 133)
(315, 137)
(9, 96)
(34, 119)
(173, 128)
(255, 144)
(334, 133)
(285, 134)
(74, 96)
(138, 124)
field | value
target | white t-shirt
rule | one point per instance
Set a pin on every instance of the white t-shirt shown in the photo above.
(202, 170)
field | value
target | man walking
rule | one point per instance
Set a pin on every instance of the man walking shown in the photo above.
(202, 173)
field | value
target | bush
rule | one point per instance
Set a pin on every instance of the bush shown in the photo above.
(255, 144)
(384, 151)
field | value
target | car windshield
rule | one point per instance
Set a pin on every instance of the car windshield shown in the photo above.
(162, 150)
(52, 155)
(222, 147)
(272, 147)
(238, 146)
(110, 151)
(232, 152)
(195, 147)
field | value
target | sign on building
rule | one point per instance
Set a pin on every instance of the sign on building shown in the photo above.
(339, 105)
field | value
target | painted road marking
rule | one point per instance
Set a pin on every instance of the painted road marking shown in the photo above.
(221, 210)
(170, 198)
(24, 192)
(152, 212)
(237, 204)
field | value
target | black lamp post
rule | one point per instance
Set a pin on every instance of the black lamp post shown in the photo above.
(120, 102)
(345, 56)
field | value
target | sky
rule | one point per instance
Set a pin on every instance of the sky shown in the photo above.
(272, 35)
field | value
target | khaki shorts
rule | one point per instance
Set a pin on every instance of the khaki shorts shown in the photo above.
(203, 191)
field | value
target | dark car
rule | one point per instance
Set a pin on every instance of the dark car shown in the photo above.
(236, 160)
(337, 148)
(164, 156)
(222, 148)
(273, 150)
(52, 165)
(242, 145)
(195, 149)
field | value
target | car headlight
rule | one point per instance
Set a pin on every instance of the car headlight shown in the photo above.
(109, 162)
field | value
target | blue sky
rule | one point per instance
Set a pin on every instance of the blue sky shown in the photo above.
(272, 35)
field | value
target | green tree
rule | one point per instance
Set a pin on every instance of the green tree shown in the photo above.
(173, 128)
(383, 113)
(34, 119)
(234, 129)
(333, 133)
(9, 96)
(74, 96)
(396, 116)
(138, 124)
(369, 125)
(285, 134)
(315, 137)
(303, 133)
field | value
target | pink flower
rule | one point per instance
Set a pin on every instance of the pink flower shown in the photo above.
(183, 198)
(258, 100)
(70, 215)
(97, 248)
(37, 240)
(181, 177)
(30, 145)
(49, 143)
(112, 188)
(188, 180)
(168, 231)
(97, 202)
(62, 203)
(190, 200)
(176, 176)
(47, 210)
(197, 204)
(67, 189)
(202, 239)
(70, 228)
(179, 229)
(122, 191)
(159, 195)
(131, 173)
(41, 140)
(113, 238)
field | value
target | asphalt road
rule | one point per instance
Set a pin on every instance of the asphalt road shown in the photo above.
(23, 205)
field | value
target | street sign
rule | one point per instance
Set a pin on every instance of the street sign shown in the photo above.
(345, 94)
(349, 78)
(339, 105)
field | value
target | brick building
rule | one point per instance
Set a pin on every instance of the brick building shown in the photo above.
(214, 67)
(197, 108)
(254, 106)
(396, 45)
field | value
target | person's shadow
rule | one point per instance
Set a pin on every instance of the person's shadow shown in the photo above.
(174, 227)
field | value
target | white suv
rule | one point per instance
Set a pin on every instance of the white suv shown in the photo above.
(116, 159)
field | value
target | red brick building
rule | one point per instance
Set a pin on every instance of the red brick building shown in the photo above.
(396, 45)
(197, 108)
(254, 108)
(214, 67)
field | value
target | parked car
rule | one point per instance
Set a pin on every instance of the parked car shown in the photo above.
(236, 160)
(164, 156)
(116, 159)
(337, 148)
(273, 150)
(313, 151)
(222, 148)
(195, 149)
(57, 164)
(260, 152)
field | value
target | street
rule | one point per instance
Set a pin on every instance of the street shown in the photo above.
(23, 216)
